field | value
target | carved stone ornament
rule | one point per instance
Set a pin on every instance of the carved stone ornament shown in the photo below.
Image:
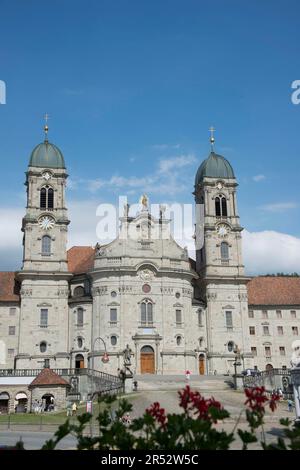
(146, 274)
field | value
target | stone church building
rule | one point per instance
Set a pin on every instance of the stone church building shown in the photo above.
(72, 308)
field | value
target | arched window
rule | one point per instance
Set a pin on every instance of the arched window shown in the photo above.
(221, 206)
(80, 316)
(79, 291)
(43, 346)
(113, 340)
(178, 340)
(146, 312)
(230, 346)
(79, 342)
(50, 198)
(200, 317)
(47, 198)
(224, 251)
(46, 245)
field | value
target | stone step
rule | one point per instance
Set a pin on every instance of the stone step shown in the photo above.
(207, 383)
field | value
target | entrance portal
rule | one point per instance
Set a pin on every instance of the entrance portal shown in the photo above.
(4, 402)
(147, 360)
(201, 364)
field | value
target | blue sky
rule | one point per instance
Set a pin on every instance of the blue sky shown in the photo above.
(130, 85)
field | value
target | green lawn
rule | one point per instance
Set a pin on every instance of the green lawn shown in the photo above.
(50, 417)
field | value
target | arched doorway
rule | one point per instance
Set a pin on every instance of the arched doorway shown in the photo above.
(201, 364)
(4, 402)
(269, 367)
(48, 402)
(79, 361)
(21, 402)
(147, 360)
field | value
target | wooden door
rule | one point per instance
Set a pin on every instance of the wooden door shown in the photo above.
(201, 365)
(147, 363)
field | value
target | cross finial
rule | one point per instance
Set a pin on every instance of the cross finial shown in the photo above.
(46, 128)
(212, 139)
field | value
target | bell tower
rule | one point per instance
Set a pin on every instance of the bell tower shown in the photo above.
(45, 224)
(44, 275)
(219, 260)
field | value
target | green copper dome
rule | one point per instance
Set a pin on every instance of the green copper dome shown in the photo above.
(47, 155)
(215, 166)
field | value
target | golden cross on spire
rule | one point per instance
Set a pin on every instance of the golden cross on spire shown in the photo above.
(46, 128)
(212, 139)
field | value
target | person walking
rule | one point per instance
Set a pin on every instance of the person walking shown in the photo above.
(187, 376)
(74, 409)
(290, 405)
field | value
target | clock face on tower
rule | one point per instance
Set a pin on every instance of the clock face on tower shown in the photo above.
(222, 230)
(46, 222)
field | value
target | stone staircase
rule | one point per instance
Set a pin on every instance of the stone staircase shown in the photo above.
(205, 383)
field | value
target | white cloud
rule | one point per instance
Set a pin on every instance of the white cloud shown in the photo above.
(161, 147)
(270, 252)
(173, 163)
(258, 178)
(279, 206)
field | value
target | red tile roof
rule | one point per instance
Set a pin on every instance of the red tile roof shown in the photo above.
(48, 377)
(273, 290)
(80, 259)
(9, 288)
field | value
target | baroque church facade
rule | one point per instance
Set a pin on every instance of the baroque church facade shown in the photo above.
(73, 308)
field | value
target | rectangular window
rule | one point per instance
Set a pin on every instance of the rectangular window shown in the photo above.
(250, 313)
(267, 351)
(11, 352)
(200, 322)
(252, 330)
(113, 315)
(178, 317)
(44, 318)
(280, 330)
(278, 314)
(295, 330)
(254, 351)
(265, 314)
(293, 314)
(11, 330)
(80, 316)
(266, 330)
(228, 319)
(282, 350)
(12, 311)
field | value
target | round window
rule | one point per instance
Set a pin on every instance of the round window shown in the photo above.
(43, 346)
(146, 288)
(113, 340)
(113, 293)
(177, 295)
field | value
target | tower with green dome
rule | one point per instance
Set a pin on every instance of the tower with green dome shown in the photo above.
(44, 275)
(219, 261)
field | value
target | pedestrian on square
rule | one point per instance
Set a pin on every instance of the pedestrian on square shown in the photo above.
(187, 375)
(74, 409)
(290, 405)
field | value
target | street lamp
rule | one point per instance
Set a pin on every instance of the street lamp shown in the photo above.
(105, 358)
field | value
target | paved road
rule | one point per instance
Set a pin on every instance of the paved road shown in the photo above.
(33, 440)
